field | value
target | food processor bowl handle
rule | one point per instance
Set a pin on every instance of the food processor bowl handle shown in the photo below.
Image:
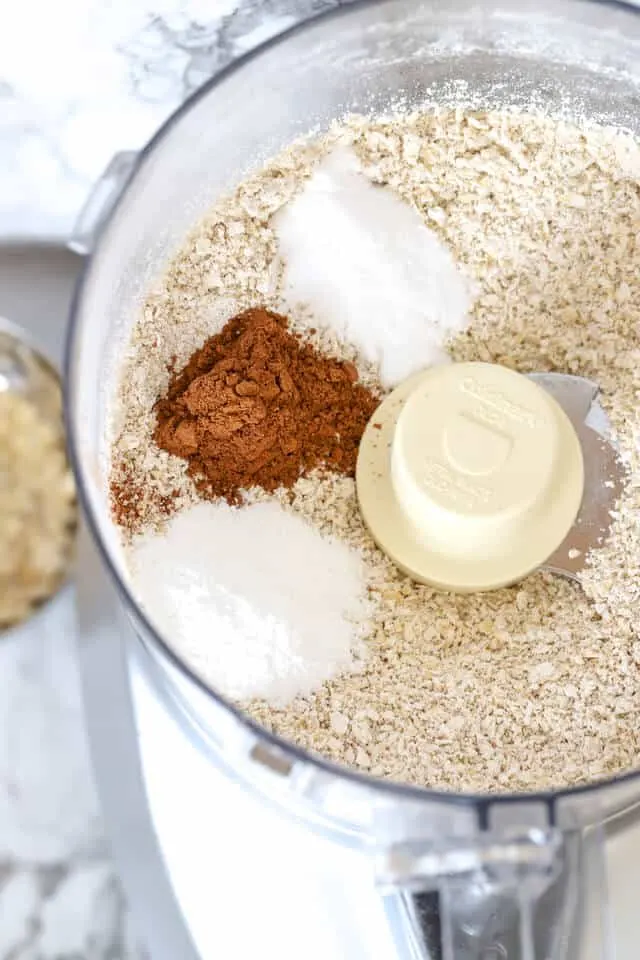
(100, 202)
(538, 896)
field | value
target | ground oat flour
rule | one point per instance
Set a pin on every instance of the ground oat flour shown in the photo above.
(524, 688)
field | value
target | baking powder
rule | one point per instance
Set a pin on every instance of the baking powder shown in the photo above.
(258, 602)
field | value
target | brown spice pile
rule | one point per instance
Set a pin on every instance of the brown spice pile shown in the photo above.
(255, 406)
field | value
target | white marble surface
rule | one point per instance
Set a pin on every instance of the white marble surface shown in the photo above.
(94, 78)
(99, 77)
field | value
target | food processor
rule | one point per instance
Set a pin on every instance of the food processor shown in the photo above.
(230, 841)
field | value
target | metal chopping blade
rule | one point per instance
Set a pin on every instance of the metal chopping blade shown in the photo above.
(604, 472)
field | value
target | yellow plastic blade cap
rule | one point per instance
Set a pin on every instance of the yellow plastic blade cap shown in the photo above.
(469, 476)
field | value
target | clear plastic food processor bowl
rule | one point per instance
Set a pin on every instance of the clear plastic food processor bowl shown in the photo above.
(519, 875)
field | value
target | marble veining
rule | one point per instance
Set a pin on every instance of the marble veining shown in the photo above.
(59, 897)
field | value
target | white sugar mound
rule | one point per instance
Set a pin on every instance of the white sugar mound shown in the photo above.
(368, 267)
(254, 599)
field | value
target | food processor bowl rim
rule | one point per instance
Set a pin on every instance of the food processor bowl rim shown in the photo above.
(391, 788)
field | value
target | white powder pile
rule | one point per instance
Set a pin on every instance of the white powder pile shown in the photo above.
(367, 265)
(257, 601)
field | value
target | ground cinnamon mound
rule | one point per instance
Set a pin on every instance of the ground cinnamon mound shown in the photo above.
(255, 406)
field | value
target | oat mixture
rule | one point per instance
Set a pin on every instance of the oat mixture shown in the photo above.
(37, 509)
(523, 688)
